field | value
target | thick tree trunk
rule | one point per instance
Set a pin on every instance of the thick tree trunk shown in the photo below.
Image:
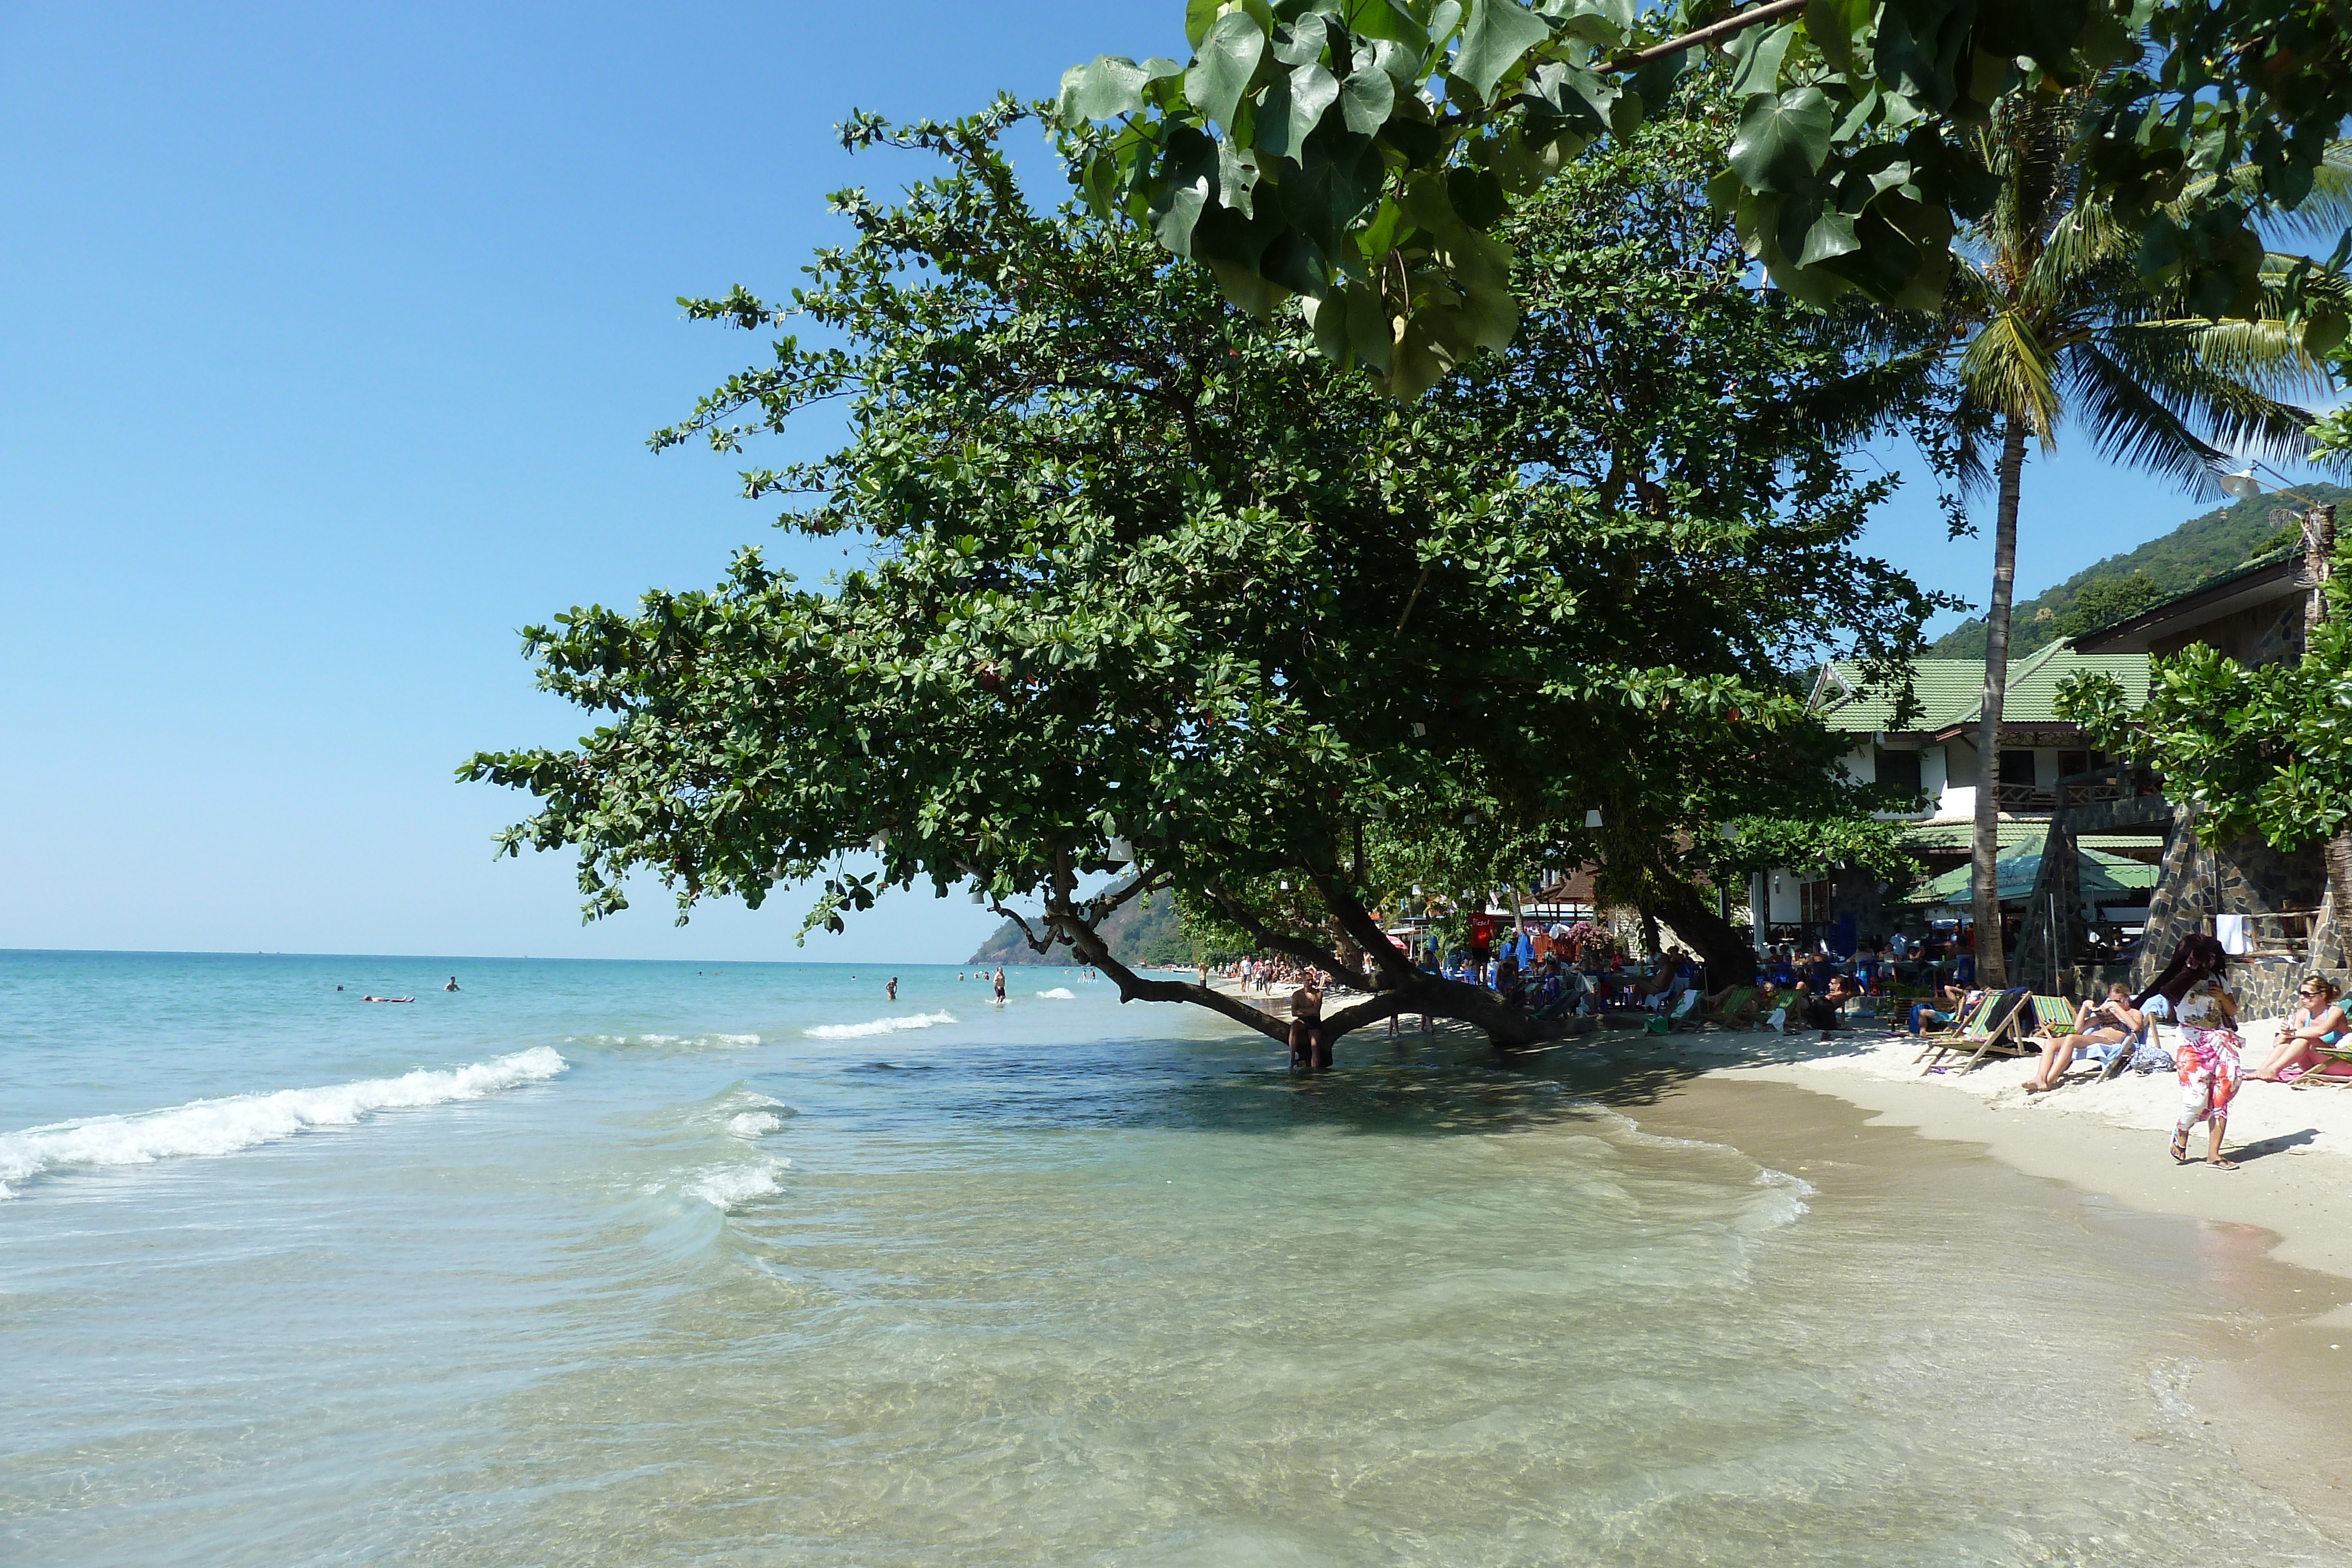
(1730, 958)
(1394, 985)
(1993, 967)
(2332, 941)
(2331, 944)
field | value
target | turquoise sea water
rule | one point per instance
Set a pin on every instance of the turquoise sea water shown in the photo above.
(643, 1263)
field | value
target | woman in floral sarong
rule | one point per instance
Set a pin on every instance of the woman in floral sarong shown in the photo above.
(2209, 1068)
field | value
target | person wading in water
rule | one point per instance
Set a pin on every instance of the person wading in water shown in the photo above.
(1309, 1048)
(999, 978)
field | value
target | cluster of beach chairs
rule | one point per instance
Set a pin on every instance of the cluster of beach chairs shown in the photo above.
(2017, 1022)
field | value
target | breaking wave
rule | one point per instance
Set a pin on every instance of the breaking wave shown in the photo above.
(239, 1122)
(878, 1026)
(1060, 994)
(724, 1186)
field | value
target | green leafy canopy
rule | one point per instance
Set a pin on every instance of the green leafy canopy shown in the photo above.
(1160, 589)
(1325, 148)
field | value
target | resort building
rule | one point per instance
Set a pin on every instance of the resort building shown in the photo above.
(2269, 907)
(2100, 872)
(1928, 748)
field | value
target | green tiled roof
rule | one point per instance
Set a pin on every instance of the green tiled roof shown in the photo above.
(1951, 691)
(1959, 837)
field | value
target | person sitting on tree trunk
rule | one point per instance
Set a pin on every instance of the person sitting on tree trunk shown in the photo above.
(1309, 1048)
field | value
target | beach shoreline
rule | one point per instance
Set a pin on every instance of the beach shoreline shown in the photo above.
(2294, 1146)
(2267, 1384)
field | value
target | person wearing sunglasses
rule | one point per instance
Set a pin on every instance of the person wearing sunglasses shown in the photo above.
(2319, 1022)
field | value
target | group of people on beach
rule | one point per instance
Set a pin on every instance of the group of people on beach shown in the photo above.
(2120, 1032)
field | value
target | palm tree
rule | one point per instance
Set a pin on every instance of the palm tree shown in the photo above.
(2051, 323)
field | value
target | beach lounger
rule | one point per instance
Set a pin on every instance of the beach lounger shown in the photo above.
(2332, 1070)
(1994, 1029)
(1941, 1036)
(1737, 1011)
(2119, 1056)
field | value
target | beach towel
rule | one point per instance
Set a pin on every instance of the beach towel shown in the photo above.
(2233, 931)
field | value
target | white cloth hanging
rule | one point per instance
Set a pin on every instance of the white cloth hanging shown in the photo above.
(2232, 932)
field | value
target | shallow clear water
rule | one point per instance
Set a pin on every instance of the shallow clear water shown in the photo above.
(622, 1263)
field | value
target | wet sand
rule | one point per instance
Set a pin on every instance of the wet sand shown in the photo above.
(2276, 1387)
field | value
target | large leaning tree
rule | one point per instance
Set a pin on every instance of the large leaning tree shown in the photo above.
(1365, 155)
(1162, 602)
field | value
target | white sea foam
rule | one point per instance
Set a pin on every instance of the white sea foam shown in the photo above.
(1060, 994)
(724, 1186)
(878, 1026)
(753, 1124)
(246, 1121)
(1796, 1186)
(694, 1039)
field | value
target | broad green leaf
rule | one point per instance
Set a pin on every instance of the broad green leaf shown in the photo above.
(1832, 235)
(1108, 87)
(1493, 37)
(1304, 40)
(1476, 195)
(1271, 132)
(1757, 55)
(1200, 16)
(1236, 176)
(1189, 168)
(1313, 90)
(1831, 25)
(1221, 71)
(1491, 311)
(1782, 141)
(1384, 19)
(1365, 98)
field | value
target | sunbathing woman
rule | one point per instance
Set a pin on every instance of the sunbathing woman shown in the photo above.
(2319, 1021)
(2111, 1022)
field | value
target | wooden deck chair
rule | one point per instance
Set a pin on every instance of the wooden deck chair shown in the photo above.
(1994, 1029)
(1737, 1010)
(2030, 1026)
(2118, 1058)
(1941, 1038)
(2332, 1070)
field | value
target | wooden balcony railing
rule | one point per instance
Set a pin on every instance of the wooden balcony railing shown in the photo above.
(2116, 782)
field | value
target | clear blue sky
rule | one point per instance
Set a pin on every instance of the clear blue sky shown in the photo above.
(329, 337)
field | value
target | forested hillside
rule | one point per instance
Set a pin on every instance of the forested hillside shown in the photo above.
(1142, 933)
(2124, 584)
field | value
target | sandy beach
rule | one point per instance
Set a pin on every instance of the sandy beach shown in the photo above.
(2293, 1145)
(2279, 1384)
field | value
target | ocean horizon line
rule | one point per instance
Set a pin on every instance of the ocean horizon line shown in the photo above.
(486, 957)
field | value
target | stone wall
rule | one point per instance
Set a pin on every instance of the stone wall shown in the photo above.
(2241, 876)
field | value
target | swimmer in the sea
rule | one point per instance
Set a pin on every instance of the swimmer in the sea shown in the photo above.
(999, 978)
(893, 988)
(452, 985)
(387, 998)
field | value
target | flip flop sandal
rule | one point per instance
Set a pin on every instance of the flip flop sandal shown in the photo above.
(2223, 1164)
(2181, 1148)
